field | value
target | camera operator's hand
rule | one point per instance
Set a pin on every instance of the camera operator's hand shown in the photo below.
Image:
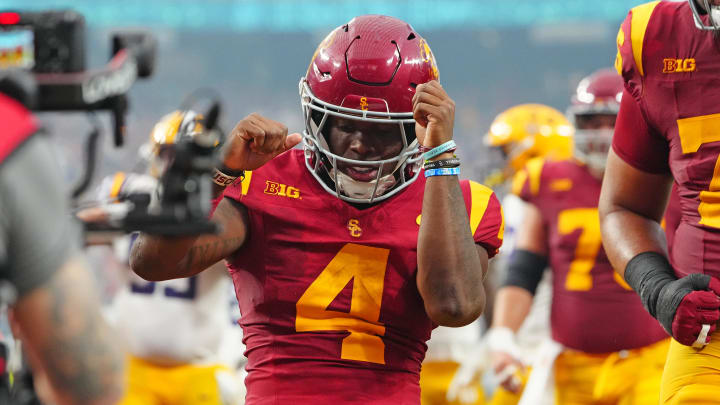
(256, 140)
(121, 185)
(117, 188)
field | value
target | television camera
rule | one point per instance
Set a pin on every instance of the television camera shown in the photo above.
(42, 64)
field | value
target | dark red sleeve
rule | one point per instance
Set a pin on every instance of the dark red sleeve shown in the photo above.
(636, 142)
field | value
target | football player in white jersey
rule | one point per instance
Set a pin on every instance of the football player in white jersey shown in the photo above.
(184, 342)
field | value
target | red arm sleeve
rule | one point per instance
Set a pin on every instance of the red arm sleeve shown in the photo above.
(636, 142)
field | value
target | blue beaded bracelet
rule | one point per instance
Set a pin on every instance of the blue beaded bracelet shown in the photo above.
(440, 149)
(447, 171)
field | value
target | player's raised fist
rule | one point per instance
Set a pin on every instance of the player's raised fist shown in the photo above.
(254, 141)
(434, 112)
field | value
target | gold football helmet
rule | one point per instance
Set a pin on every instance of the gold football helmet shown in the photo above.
(528, 131)
(167, 132)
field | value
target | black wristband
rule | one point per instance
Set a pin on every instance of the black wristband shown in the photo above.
(440, 164)
(224, 177)
(648, 273)
(230, 172)
(651, 275)
(525, 270)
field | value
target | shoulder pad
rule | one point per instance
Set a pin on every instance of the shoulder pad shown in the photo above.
(479, 199)
(534, 168)
(630, 39)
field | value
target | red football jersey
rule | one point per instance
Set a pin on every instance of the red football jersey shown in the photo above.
(593, 309)
(669, 121)
(330, 308)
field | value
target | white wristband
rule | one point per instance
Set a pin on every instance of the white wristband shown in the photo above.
(502, 339)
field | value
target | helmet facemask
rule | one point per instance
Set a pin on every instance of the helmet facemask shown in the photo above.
(324, 164)
(591, 146)
(703, 7)
(593, 138)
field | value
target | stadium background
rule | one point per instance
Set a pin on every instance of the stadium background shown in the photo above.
(491, 55)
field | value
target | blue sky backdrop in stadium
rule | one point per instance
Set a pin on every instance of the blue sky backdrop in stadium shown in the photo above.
(310, 15)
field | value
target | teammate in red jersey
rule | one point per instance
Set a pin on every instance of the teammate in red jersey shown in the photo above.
(344, 256)
(605, 333)
(668, 130)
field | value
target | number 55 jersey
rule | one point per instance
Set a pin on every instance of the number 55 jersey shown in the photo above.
(330, 308)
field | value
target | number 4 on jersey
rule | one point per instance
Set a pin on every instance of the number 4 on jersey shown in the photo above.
(365, 266)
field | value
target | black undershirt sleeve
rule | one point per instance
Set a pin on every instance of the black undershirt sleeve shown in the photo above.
(525, 269)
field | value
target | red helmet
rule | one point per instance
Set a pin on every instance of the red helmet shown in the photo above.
(365, 70)
(593, 111)
(598, 93)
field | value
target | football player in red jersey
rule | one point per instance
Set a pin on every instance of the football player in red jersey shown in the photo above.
(604, 332)
(667, 131)
(346, 254)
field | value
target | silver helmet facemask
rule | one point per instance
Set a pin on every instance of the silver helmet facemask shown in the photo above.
(591, 146)
(703, 7)
(323, 164)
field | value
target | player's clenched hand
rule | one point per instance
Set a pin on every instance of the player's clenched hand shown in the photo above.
(695, 302)
(434, 113)
(506, 367)
(463, 386)
(254, 141)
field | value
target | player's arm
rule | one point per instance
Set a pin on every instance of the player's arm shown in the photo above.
(525, 269)
(254, 141)
(450, 264)
(630, 220)
(526, 265)
(57, 311)
(157, 258)
(634, 194)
